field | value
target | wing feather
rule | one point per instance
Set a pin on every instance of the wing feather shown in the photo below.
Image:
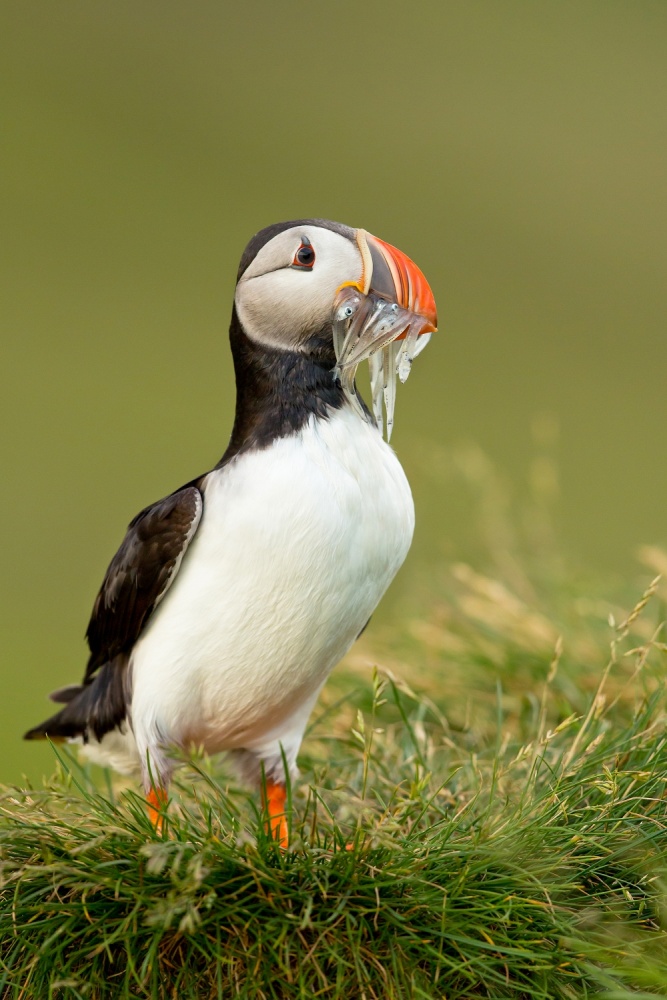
(141, 573)
(137, 579)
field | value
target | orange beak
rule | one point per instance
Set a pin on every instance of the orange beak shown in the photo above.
(389, 273)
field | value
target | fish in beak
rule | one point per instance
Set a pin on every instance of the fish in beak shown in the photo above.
(386, 317)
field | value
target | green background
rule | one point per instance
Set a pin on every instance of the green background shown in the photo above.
(516, 150)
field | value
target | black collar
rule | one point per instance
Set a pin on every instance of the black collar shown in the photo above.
(278, 391)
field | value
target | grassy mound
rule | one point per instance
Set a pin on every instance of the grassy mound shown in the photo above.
(510, 844)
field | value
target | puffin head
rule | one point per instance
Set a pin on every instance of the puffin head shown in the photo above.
(291, 274)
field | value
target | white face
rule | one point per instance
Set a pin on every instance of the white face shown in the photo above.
(281, 303)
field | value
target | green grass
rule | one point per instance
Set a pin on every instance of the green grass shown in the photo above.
(504, 793)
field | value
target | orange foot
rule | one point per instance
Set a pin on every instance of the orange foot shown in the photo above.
(157, 800)
(274, 797)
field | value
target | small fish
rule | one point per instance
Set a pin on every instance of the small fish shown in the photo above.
(370, 328)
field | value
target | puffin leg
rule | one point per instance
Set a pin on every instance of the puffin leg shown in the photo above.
(156, 801)
(274, 798)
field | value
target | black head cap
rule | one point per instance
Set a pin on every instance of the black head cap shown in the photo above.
(261, 238)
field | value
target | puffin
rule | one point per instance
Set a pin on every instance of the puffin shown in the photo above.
(231, 599)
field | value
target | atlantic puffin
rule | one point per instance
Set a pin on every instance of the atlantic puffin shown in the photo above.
(230, 601)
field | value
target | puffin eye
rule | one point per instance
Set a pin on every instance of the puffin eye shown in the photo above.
(304, 258)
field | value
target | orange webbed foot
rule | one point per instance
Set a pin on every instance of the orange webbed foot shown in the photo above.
(275, 798)
(156, 801)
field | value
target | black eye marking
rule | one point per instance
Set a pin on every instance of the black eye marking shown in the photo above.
(304, 258)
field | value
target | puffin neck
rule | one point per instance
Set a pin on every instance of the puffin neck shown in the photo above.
(278, 391)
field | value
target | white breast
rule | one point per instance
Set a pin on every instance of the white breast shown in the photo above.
(296, 546)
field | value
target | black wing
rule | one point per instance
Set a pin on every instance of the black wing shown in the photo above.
(137, 579)
(140, 574)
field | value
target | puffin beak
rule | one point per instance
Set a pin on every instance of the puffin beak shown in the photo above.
(389, 273)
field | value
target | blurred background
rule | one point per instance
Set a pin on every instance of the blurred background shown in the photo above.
(517, 151)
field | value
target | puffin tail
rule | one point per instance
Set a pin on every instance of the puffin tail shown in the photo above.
(89, 709)
(68, 723)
